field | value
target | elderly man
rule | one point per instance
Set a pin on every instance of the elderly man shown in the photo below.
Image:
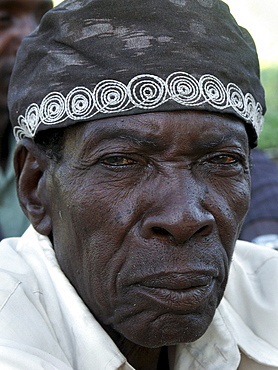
(135, 122)
(17, 19)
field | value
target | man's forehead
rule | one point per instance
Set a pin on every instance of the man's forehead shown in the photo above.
(154, 130)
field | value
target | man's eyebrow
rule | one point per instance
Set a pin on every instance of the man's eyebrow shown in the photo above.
(141, 141)
(221, 140)
(210, 144)
(148, 140)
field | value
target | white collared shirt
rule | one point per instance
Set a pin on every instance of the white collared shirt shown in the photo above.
(44, 324)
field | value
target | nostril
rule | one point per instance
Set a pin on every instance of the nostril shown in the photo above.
(160, 230)
(204, 230)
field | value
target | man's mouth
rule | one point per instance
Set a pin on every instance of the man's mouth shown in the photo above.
(178, 291)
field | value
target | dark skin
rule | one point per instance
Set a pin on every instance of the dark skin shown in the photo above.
(18, 18)
(144, 212)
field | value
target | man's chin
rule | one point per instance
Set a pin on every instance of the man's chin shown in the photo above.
(168, 330)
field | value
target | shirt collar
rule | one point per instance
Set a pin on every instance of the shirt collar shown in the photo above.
(216, 349)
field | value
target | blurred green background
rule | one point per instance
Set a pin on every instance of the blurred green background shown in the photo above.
(269, 136)
(260, 18)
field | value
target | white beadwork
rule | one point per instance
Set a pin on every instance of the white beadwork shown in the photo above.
(184, 89)
(147, 91)
(79, 103)
(52, 109)
(32, 117)
(214, 91)
(143, 91)
(236, 98)
(110, 96)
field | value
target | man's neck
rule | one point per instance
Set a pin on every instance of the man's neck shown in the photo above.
(141, 358)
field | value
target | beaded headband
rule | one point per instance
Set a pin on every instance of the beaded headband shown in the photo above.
(143, 91)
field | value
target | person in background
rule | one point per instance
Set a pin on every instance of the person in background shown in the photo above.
(261, 222)
(17, 19)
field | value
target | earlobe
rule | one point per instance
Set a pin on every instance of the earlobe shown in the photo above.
(30, 166)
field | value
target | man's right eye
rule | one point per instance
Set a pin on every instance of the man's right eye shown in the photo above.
(118, 160)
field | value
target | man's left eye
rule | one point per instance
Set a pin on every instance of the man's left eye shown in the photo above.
(225, 159)
(118, 161)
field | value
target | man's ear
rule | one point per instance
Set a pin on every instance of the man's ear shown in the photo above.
(30, 165)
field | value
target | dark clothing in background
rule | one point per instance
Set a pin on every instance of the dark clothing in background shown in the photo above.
(262, 218)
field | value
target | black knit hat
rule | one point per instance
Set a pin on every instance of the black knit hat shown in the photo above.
(92, 59)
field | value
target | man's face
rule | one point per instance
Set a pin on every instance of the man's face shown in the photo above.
(146, 210)
(17, 19)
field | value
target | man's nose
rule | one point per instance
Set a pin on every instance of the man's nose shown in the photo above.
(178, 214)
(22, 27)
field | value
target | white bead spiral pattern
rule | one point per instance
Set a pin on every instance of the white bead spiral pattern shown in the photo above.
(79, 103)
(52, 108)
(214, 91)
(258, 118)
(184, 89)
(110, 96)
(145, 92)
(250, 106)
(236, 98)
(32, 117)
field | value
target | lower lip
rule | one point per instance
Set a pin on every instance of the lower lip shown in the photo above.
(181, 299)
